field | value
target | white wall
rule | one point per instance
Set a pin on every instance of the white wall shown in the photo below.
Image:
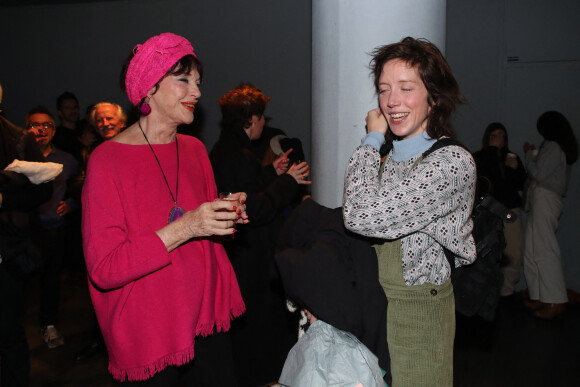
(544, 36)
(344, 35)
(48, 49)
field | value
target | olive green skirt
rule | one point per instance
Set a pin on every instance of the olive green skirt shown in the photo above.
(421, 324)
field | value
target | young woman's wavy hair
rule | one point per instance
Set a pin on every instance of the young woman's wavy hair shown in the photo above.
(553, 126)
(444, 93)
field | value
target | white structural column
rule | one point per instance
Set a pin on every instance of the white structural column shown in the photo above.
(344, 33)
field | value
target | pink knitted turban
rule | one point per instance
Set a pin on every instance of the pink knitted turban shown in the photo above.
(151, 62)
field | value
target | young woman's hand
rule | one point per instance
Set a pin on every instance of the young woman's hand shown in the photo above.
(376, 122)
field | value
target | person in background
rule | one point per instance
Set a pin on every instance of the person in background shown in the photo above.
(163, 289)
(501, 174)
(51, 232)
(17, 197)
(108, 119)
(87, 132)
(549, 174)
(74, 266)
(263, 337)
(416, 207)
(67, 135)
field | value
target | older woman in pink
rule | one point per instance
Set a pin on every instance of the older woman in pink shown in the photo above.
(162, 286)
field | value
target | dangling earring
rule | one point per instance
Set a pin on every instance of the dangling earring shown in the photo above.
(145, 108)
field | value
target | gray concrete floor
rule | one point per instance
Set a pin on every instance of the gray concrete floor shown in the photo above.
(514, 350)
(58, 367)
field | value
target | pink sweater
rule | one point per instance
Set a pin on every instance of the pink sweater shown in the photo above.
(151, 304)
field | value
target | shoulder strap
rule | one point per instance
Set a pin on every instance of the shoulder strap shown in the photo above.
(446, 141)
(442, 142)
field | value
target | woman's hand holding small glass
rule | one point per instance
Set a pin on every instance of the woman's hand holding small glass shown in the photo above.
(217, 218)
(240, 209)
(511, 161)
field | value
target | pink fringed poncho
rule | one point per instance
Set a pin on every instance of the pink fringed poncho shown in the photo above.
(151, 304)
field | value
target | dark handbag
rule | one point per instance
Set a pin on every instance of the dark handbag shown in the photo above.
(18, 251)
(477, 286)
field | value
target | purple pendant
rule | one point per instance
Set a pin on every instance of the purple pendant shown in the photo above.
(175, 213)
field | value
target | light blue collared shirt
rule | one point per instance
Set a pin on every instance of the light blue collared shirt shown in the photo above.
(404, 149)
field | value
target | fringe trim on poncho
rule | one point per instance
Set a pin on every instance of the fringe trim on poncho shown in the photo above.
(178, 358)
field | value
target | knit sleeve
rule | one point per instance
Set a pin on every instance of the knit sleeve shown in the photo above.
(115, 253)
(406, 201)
(547, 162)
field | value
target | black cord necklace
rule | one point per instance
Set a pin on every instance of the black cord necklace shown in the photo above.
(176, 212)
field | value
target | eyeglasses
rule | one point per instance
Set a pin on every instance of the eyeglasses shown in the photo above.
(44, 125)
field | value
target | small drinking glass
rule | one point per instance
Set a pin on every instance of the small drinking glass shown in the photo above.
(226, 196)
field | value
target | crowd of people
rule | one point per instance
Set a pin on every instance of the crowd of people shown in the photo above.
(193, 258)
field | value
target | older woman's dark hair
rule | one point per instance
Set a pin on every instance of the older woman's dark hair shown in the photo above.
(183, 66)
(240, 104)
(489, 130)
(553, 126)
(444, 94)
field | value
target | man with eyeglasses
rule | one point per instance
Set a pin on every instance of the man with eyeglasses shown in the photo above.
(17, 196)
(51, 232)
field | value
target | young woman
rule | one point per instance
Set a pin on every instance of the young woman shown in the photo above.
(162, 288)
(416, 207)
(549, 173)
(502, 175)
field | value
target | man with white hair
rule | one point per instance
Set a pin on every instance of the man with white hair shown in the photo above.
(108, 119)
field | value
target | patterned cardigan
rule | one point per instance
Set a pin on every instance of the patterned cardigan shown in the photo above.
(426, 206)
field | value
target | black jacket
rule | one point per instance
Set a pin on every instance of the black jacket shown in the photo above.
(238, 169)
(505, 181)
(334, 274)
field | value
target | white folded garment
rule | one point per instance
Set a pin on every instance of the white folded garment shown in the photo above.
(37, 173)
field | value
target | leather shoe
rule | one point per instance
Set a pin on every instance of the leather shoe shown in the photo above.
(534, 304)
(550, 311)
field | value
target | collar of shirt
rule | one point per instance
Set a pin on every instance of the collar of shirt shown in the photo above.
(406, 149)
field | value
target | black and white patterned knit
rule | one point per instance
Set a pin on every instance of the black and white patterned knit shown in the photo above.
(426, 206)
